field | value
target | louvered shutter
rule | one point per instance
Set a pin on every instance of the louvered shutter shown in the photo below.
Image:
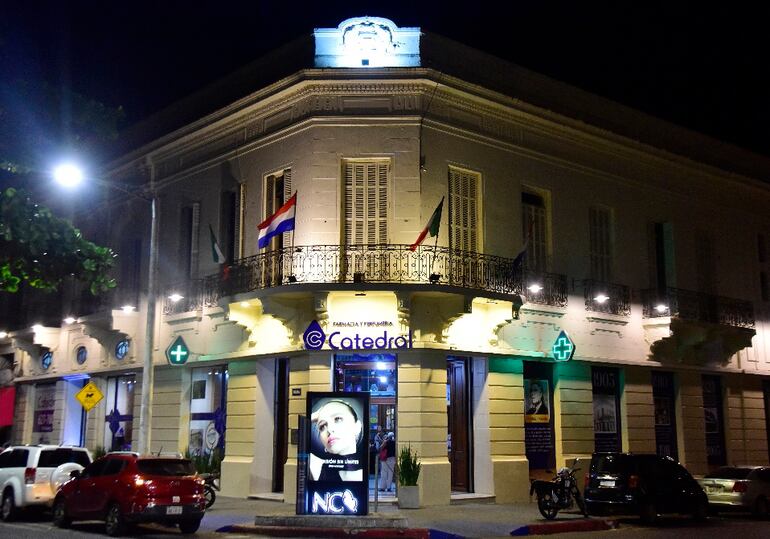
(600, 226)
(534, 213)
(463, 210)
(366, 202)
(240, 208)
(287, 192)
(194, 239)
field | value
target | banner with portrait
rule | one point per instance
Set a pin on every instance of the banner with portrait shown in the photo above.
(538, 432)
(605, 385)
(536, 401)
(337, 474)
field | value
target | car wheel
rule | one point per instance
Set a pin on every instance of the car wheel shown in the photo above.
(647, 512)
(761, 508)
(60, 518)
(114, 524)
(701, 511)
(189, 526)
(8, 507)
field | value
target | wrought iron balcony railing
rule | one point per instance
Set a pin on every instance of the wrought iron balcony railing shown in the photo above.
(608, 298)
(388, 264)
(697, 306)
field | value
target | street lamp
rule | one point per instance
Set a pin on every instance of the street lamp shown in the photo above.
(70, 176)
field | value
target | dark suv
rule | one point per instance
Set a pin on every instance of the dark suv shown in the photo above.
(646, 485)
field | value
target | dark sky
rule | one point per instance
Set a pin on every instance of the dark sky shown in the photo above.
(702, 67)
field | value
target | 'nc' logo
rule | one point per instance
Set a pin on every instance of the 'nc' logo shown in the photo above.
(314, 336)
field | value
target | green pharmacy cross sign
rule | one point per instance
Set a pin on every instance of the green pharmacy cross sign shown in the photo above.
(178, 353)
(563, 348)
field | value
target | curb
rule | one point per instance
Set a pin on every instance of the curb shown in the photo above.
(305, 531)
(576, 525)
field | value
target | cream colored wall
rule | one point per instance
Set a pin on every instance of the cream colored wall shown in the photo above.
(240, 433)
(310, 372)
(573, 406)
(422, 419)
(691, 424)
(745, 426)
(505, 387)
(23, 414)
(168, 395)
(638, 411)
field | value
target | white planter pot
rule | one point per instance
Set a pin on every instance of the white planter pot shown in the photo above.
(409, 497)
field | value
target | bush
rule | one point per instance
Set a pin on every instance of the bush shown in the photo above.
(211, 463)
(98, 452)
(408, 467)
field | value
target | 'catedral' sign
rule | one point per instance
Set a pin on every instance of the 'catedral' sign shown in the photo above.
(337, 471)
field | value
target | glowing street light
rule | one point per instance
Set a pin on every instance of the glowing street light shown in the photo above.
(601, 298)
(534, 288)
(68, 174)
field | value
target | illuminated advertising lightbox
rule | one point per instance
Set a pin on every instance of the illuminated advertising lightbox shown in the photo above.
(337, 471)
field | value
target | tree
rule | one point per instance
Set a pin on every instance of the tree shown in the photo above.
(42, 249)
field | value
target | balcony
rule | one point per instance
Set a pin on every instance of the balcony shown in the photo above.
(376, 264)
(697, 307)
(608, 298)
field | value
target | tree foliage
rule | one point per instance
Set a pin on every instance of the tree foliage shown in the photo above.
(42, 249)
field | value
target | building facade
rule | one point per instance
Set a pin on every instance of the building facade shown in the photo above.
(599, 281)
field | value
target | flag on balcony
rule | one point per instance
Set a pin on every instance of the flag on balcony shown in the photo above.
(216, 252)
(432, 226)
(278, 223)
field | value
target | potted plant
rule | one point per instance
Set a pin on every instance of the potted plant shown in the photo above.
(408, 474)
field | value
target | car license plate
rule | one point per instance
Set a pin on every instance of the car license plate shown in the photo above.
(174, 510)
(607, 483)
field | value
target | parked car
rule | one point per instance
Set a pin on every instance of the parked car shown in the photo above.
(645, 485)
(745, 488)
(30, 475)
(125, 488)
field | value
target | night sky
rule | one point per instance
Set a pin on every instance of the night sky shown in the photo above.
(701, 67)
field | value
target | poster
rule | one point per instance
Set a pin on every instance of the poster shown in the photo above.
(337, 479)
(605, 385)
(605, 420)
(45, 402)
(536, 400)
(538, 433)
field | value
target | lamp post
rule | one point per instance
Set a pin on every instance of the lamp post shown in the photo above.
(70, 176)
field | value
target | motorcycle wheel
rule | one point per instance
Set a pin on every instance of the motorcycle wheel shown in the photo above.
(210, 495)
(547, 507)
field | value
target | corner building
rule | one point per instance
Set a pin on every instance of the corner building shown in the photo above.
(646, 248)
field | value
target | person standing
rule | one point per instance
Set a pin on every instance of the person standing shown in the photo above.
(389, 462)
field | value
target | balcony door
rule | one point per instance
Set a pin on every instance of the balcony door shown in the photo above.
(277, 192)
(464, 234)
(366, 220)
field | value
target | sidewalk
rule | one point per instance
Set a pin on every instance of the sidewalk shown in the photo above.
(465, 520)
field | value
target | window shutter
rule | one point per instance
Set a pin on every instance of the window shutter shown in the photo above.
(533, 211)
(287, 192)
(600, 237)
(240, 209)
(366, 202)
(463, 210)
(194, 239)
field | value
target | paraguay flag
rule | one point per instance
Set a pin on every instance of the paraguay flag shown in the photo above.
(278, 223)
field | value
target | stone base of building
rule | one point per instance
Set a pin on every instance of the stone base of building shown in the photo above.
(236, 476)
(511, 479)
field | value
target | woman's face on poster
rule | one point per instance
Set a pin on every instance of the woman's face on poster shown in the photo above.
(338, 428)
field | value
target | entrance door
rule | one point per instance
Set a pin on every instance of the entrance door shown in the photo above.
(459, 423)
(281, 407)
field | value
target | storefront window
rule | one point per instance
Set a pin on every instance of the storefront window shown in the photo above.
(715, 422)
(120, 418)
(665, 417)
(375, 373)
(606, 403)
(208, 412)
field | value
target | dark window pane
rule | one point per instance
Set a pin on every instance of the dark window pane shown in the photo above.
(52, 458)
(114, 466)
(166, 467)
(18, 458)
(729, 472)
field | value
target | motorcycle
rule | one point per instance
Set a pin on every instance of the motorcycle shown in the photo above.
(558, 494)
(210, 485)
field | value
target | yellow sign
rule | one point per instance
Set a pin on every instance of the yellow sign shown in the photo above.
(89, 396)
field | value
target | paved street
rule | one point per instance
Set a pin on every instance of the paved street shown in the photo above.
(471, 520)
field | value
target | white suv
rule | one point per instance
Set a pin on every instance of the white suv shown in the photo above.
(30, 475)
